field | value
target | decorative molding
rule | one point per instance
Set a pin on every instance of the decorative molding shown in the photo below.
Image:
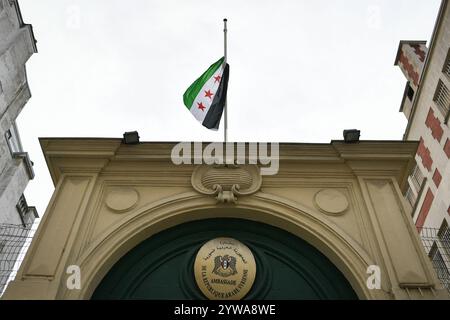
(389, 158)
(226, 182)
(48, 250)
(263, 205)
(120, 200)
(390, 219)
(331, 201)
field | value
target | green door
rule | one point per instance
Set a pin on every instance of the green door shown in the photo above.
(161, 267)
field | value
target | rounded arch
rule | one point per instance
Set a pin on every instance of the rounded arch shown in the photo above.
(314, 228)
(162, 266)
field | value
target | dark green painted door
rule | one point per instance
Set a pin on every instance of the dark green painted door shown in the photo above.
(161, 267)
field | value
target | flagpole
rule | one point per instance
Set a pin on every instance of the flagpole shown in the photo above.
(225, 63)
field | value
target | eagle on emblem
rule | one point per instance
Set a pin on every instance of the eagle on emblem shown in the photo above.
(225, 266)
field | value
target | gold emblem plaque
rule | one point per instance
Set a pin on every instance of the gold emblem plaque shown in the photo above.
(224, 269)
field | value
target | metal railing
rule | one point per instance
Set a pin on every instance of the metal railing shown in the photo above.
(16, 239)
(437, 247)
(14, 243)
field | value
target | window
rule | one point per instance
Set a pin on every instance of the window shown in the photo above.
(13, 140)
(409, 92)
(446, 69)
(417, 178)
(22, 208)
(27, 214)
(442, 98)
(411, 197)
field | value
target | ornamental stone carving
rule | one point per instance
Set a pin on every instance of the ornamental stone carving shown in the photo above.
(226, 182)
(121, 199)
(331, 201)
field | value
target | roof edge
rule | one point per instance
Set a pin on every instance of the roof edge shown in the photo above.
(25, 25)
(437, 26)
(401, 43)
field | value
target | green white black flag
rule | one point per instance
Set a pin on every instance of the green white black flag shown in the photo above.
(206, 97)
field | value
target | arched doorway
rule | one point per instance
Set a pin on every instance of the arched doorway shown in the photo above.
(161, 267)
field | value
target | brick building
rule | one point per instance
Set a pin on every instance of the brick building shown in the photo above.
(425, 103)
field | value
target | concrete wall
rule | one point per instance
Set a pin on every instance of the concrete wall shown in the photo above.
(17, 44)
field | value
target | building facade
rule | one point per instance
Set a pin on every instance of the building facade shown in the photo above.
(17, 44)
(129, 222)
(426, 105)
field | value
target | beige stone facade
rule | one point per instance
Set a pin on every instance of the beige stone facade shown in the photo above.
(344, 199)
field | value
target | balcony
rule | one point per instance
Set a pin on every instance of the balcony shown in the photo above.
(14, 243)
(27, 214)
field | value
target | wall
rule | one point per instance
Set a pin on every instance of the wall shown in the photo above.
(429, 126)
(344, 199)
(17, 44)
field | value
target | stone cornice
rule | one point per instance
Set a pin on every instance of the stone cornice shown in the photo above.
(111, 156)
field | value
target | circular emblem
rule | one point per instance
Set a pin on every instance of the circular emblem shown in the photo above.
(224, 269)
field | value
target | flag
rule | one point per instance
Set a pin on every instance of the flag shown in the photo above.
(206, 97)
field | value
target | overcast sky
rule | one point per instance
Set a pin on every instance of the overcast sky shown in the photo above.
(300, 71)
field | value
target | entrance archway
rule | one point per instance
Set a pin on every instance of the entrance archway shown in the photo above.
(161, 267)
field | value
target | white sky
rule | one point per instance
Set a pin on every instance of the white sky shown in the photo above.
(300, 71)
